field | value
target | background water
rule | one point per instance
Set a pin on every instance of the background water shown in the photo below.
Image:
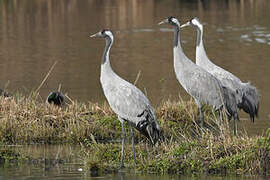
(34, 34)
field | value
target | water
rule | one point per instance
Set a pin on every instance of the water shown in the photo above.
(47, 161)
(35, 34)
(62, 162)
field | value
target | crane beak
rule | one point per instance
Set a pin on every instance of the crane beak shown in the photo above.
(163, 22)
(96, 35)
(186, 24)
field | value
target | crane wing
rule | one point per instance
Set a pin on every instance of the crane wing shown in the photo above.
(127, 101)
(205, 88)
(227, 79)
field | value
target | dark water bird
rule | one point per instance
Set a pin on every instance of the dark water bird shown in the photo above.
(126, 100)
(201, 85)
(4, 93)
(247, 95)
(57, 98)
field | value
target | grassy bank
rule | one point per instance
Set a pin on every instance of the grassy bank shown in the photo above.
(25, 120)
(185, 149)
(211, 155)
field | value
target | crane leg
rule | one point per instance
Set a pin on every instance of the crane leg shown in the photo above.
(219, 122)
(200, 110)
(132, 141)
(123, 144)
(235, 118)
(201, 116)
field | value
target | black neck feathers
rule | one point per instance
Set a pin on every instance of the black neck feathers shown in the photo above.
(176, 36)
(107, 48)
(199, 36)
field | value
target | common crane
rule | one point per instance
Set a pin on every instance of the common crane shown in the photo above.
(247, 95)
(126, 100)
(200, 84)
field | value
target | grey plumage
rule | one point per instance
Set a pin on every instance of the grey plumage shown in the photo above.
(126, 100)
(200, 84)
(246, 95)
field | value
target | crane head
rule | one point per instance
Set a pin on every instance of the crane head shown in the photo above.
(103, 33)
(193, 22)
(170, 20)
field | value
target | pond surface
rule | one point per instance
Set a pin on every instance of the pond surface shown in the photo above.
(55, 162)
(47, 161)
(34, 34)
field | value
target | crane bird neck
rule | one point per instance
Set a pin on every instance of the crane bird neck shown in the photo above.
(176, 41)
(105, 57)
(199, 35)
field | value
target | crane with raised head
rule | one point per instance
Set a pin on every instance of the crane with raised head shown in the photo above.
(201, 85)
(126, 100)
(246, 94)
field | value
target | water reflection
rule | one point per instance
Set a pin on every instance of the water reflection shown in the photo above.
(47, 161)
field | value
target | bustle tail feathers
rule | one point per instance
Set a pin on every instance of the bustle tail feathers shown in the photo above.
(230, 102)
(149, 127)
(250, 101)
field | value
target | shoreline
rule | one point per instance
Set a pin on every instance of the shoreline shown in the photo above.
(185, 149)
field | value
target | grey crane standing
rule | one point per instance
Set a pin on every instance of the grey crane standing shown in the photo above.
(126, 100)
(200, 84)
(246, 94)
